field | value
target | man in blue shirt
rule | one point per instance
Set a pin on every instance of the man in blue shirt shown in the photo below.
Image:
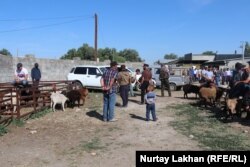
(35, 74)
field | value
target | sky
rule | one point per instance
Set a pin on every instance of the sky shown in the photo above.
(49, 28)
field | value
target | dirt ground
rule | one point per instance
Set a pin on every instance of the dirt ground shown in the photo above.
(79, 137)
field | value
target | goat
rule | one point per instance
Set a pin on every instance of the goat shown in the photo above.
(84, 93)
(73, 95)
(231, 105)
(57, 98)
(188, 88)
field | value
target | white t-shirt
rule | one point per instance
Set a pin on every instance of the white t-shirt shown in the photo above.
(21, 73)
(209, 74)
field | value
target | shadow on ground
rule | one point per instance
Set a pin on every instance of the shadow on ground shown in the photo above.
(95, 114)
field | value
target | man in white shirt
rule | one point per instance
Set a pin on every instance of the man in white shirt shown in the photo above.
(21, 75)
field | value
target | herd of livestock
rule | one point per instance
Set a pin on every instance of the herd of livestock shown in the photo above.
(48, 94)
(37, 97)
(217, 96)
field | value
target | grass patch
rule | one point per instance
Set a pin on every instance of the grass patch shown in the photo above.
(207, 129)
(94, 144)
(18, 122)
(40, 113)
(3, 130)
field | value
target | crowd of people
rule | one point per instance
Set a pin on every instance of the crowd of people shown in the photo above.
(238, 80)
(218, 76)
(112, 78)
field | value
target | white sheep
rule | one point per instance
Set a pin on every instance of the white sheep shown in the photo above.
(57, 98)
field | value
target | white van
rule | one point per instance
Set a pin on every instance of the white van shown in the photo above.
(87, 75)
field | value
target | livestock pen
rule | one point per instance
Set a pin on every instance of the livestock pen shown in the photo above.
(20, 101)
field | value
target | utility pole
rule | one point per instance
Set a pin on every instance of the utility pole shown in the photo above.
(243, 50)
(96, 26)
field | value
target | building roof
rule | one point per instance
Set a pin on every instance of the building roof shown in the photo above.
(166, 61)
(228, 56)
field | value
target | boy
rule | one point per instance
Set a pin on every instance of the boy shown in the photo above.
(150, 98)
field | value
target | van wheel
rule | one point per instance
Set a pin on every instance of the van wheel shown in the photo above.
(78, 85)
(172, 87)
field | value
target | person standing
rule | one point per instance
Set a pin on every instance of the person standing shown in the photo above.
(164, 78)
(21, 75)
(145, 78)
(108, 83)
(124, 82)
(35, 74)
(150, 98)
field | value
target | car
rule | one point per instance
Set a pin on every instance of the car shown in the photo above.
(176, 81)
(131, 72)
(87, 75)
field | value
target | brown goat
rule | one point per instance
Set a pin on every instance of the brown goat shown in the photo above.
(231, 105)
(208, 94)
(84, 93)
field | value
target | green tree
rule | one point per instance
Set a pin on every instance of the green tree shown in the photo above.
(70, 54)
(85, 52)
(5, 52)
(170, 56)
(208, 53)
(107, 54)
(130, 55)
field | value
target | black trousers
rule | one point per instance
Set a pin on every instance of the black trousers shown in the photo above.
(164, 85)
(124, 94)
(144, 87)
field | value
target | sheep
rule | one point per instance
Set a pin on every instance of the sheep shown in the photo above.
(207, 94)
(73, 95)
(57, 98)
(188, 88)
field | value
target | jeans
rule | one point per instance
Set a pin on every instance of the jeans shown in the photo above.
(150, 108)
(217, 81)
(22, 82)
(109, 100)
(131, 89)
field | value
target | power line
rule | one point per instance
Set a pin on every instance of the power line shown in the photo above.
(42, 19)
(39, 27)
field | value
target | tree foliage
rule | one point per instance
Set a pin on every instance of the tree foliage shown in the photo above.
(130, 55)
(86, 52)
(5, 52)
(170, 56)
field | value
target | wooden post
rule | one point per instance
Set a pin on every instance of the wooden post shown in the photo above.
(96, 27)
